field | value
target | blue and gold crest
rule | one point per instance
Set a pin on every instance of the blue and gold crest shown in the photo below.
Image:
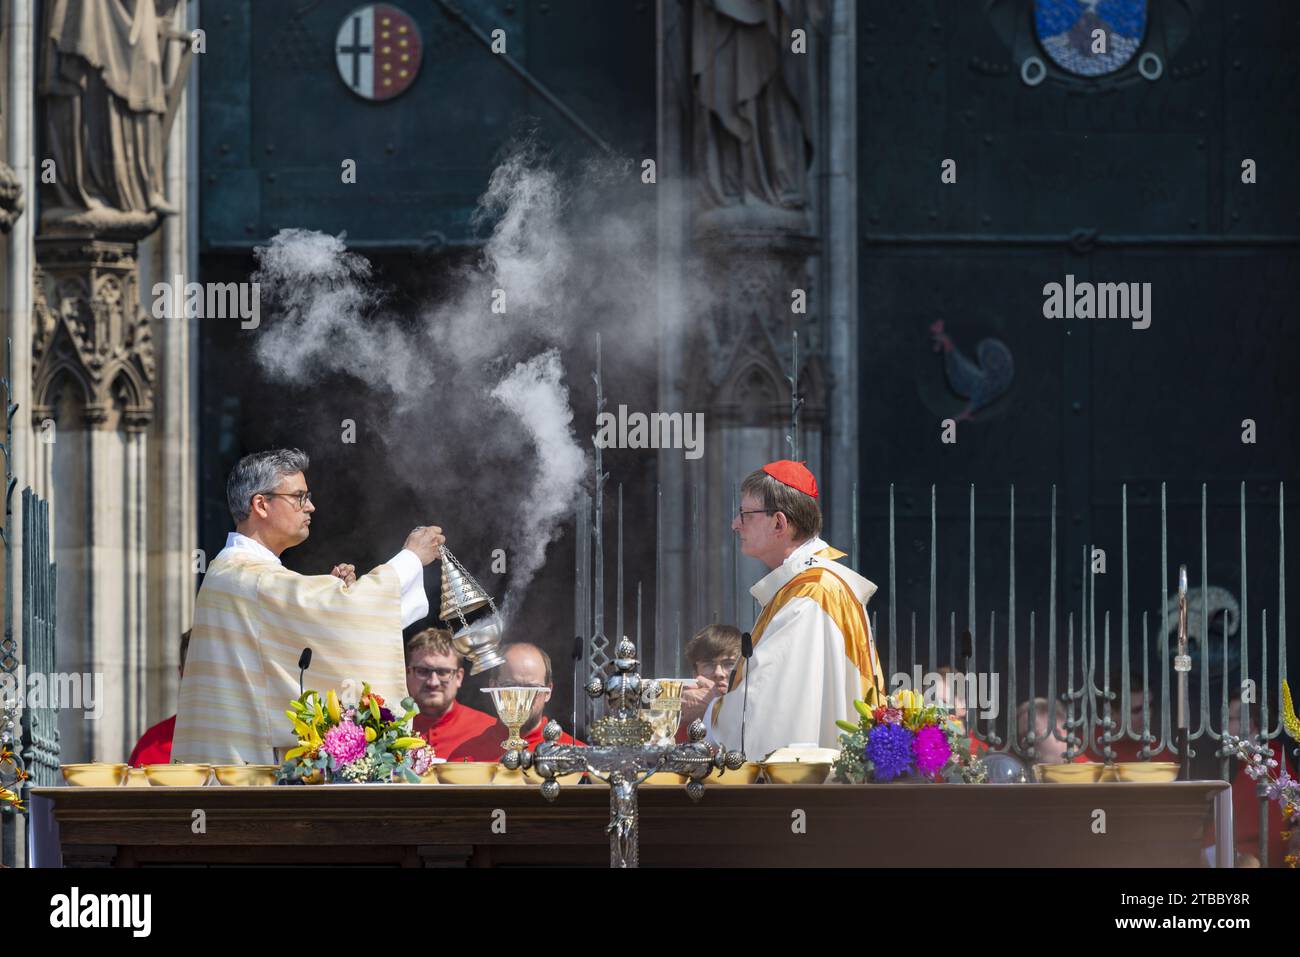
(1090, 37)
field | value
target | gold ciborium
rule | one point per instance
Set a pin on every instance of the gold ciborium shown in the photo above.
(663, 698)
(514, 705)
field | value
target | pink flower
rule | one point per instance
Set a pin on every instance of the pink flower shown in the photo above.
(345, 742)
(932, 750)
(891, 716)
(422, 760)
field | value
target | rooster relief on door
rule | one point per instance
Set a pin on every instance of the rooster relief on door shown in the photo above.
(980, 381)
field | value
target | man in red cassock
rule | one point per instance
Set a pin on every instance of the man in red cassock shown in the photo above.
(155, 745)
(526, 666)
(434, 674)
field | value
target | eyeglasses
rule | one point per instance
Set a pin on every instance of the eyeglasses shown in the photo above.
(303, 497)
(726, 664)
(742, 512)
(424, 674)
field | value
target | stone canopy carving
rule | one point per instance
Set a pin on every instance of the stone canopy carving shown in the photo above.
(91, 336)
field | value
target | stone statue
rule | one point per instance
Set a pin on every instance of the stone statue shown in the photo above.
(104, 99)
(752, 112)
(11, 195)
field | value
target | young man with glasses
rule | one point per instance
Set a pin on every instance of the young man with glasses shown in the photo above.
(713, 654)
(253, 618)
(434, 674)
(813, 650)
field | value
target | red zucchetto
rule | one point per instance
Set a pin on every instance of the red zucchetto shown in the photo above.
(793, 474)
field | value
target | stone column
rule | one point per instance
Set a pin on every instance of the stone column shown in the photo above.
(103, 102)
(673, 124)
(172, 516)
(16, 244)
(840, 279)
(17, 39)
(92, 391)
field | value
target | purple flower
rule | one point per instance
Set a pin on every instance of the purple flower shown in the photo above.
(1276, 788)
(345, 742)
(385, 715)
(889, 748)
(932, 750)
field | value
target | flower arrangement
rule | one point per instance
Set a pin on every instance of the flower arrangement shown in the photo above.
(1281, 787)
(897, 736)
(12, 774)
(358, 743)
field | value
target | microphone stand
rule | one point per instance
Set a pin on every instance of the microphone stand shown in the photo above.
(304, 662)
(1183, 666)
(746, 652)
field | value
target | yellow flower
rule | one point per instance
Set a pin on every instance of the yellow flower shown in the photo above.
(1289, 719)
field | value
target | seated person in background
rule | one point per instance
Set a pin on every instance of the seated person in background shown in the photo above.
(433, 677)
(957, 686)
(526, 666)
(1127, 749)
(155, 745)
(1049, 749)
(712, 653)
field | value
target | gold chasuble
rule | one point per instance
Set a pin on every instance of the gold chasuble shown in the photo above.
(813, 654)
(252, 619)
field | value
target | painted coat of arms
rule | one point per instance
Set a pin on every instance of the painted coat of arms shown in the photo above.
(1090, 37)
(378, 51)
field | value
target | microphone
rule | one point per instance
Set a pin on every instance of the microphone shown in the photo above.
(578, 646)
(746, 652)
(304, 662)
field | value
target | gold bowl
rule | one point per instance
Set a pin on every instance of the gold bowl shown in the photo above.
(1085, 772)
(178, 775)
(1147, 772)
(747, 773)
(667, 779)
(136, 778)
(505, 776)
(245, 775)
(467, 772)
(1108, 773)
(96, 775)
(797, 772)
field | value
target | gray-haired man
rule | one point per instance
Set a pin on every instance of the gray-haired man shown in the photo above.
(253, 617)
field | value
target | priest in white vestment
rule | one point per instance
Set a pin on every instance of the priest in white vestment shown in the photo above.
(813, 649)
(253, 617)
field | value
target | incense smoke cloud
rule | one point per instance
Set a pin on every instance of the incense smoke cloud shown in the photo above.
(473, 405)
(535, 393)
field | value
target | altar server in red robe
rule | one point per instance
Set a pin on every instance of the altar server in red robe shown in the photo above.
(434, 674)
(155, 745)
(526, 666)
